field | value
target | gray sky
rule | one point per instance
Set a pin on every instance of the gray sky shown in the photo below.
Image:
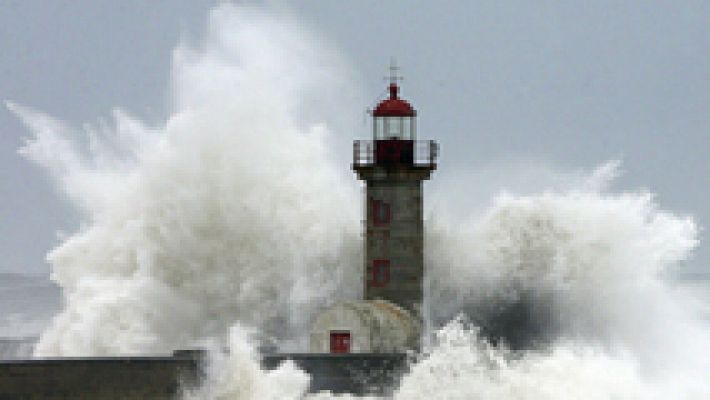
(570, 83)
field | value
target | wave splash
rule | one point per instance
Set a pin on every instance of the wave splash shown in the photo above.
(237, 212)
(232, 210)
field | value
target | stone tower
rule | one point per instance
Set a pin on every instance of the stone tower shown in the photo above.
(393, 165)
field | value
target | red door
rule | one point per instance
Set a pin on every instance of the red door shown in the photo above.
(340, 342)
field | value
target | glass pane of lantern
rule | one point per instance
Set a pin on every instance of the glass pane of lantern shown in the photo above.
(407, 129)
(394, 128)
(379, 128)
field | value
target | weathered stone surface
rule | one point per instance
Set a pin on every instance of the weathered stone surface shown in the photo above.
(95, 378)
(394, 231)
(376, 326)
(151, 378)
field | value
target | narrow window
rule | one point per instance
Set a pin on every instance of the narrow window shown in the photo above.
(339, 342)
(381, 213)
(380, 273)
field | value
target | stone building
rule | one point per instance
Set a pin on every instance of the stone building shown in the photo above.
(393, 166)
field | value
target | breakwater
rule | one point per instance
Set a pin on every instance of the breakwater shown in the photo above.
(163, 377)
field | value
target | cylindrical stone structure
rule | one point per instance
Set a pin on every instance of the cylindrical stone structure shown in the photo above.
(394, 165)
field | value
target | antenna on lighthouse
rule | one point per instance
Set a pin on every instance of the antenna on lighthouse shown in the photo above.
(394, 77)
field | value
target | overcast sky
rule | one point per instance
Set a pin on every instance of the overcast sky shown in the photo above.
(567, 83)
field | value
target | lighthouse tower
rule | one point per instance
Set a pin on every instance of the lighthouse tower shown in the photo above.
(393, 165)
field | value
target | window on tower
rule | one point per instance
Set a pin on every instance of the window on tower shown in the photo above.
(394, 127)
(402, 128)
(380, 273)
(408, 128)
(381, 213)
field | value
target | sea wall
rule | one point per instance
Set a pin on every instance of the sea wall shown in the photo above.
(158, 378)
(95, 378)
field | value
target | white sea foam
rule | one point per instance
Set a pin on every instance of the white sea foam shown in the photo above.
(237, 374)
(232, 210)
(238, 211)
(586, 266)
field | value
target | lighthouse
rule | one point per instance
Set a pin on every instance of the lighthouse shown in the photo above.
(393, 164)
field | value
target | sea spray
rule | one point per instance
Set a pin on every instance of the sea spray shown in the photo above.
(462, 365)
(576, 273)
(598, 258)
(232, 210)
(237, 374)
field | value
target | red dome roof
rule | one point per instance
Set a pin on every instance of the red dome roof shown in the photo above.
(394, 106)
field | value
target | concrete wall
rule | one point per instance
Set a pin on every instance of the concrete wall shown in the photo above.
(156, 378)
(95, 378)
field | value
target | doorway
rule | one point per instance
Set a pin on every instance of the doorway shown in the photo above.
(340, 342)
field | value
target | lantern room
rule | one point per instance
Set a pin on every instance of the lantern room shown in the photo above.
(394, 118)
(394, 143)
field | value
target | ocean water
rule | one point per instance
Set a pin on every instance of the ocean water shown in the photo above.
(27, 303)
(236, 220)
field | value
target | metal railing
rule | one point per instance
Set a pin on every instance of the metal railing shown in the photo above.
(424, 153)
